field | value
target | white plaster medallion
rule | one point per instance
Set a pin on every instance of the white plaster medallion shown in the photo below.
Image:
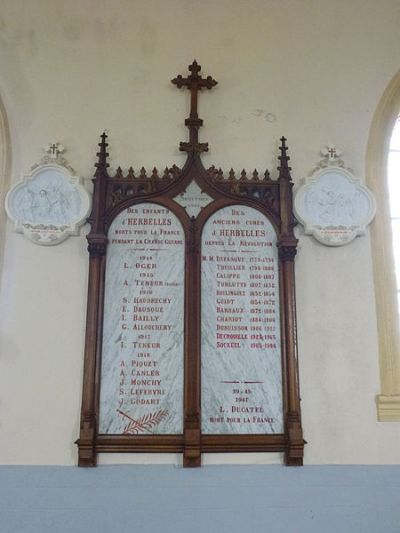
(50, 203)
(193, 199)
(332, 204)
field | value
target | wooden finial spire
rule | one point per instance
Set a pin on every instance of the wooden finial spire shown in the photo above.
(284, 169)
(102, 155)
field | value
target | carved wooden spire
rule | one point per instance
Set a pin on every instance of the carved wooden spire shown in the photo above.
(102, 165)
(284, 169)
(194, 83)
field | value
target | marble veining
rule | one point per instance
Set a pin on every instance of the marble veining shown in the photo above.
(142, 360)
(240, 346)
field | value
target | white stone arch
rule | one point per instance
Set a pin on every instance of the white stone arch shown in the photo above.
(5, 174)
(387, 111)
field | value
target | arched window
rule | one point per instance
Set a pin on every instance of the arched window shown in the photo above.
(380, 142)
(5, 161)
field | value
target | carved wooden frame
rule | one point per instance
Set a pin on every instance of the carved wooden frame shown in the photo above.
(273, 198)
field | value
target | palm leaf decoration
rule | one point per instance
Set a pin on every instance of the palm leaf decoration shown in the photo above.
(143, 424)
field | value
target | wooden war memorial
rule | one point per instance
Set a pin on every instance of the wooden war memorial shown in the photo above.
(191, 320)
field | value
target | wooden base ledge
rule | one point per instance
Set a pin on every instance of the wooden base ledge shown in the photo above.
(388, 408)
(192, 452)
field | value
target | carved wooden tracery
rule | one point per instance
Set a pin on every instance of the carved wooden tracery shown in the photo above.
(113, 194)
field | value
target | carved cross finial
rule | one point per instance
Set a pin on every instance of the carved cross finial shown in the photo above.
(331, 156)
(194, 68)
(331, 152)
(284, 169)
(54, 149)
(194, 82)
(102, 154)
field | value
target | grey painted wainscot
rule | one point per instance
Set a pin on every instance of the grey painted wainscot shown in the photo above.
(211, 499)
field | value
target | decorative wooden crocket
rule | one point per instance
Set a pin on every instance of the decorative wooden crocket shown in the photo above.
(208, 361)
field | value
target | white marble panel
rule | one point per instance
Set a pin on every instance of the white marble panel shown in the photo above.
(142, 362)
(240, 347)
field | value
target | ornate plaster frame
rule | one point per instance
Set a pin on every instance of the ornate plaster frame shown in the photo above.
(317, 231)
(56, 234)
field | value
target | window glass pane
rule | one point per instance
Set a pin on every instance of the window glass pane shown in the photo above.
(395, 140)
(394, 183)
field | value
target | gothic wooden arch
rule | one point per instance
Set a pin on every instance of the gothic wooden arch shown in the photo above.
(114, 194)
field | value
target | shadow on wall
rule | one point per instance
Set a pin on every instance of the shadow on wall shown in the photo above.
(5, 175)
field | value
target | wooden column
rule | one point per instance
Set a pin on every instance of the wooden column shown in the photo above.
(287, 252)
(97, 240)
(192, 429)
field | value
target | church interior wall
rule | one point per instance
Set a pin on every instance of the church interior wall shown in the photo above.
(313, 71)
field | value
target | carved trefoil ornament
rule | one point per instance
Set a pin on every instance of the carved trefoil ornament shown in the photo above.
(193, 199)
(332, 204)
(50, 203)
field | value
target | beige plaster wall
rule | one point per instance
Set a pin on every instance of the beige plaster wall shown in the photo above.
(313, 70)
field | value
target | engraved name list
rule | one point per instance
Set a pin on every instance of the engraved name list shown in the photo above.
(241, 358)
(142, 359)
